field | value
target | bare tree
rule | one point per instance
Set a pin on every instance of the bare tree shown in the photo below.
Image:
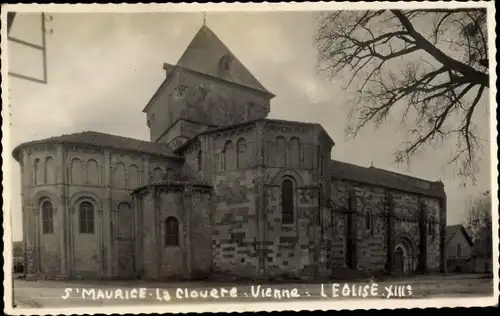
(442, 72)
(479, 220)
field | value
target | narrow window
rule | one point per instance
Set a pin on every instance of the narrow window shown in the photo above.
(459, 250)
(36, 167)
(225, 62)
(281, 152)
(171, 232)
(198, 160)
(241, 147)
(86, 218)
(368, 219)
(227, 156)
(431, 228)
(287, 203)
(47, 218)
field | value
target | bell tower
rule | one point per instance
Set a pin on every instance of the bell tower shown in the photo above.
(207, 88)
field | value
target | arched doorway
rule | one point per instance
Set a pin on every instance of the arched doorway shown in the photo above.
(404, 257)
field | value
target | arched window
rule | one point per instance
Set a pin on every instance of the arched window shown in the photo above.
(47, 218)
(241, 147)
(170, 174)
(36, 170)
(119, 176)
(198, 160)
(227, 156)
(125, 220)
(86, 218)
(281, 151)
(171, 232)
(368, 220)
(133, 177)
(287, 202)
(157, 174)
(295, 152)
(92, 172)
(49, 171)
(225, 63)
(76, 171)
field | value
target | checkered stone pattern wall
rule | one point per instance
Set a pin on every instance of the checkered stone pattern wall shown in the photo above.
(235, 225)
(292, 250)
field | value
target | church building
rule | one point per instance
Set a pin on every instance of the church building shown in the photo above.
(219, 191)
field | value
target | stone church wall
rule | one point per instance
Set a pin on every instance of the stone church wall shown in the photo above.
(213, 101)
(292, 249)
(371, 244)
(67, 175)
(172, 258)
(235, 223)
(201, 232)
(161, 111)
(39, 185)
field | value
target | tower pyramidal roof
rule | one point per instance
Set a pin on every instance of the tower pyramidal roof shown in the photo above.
(204, 55)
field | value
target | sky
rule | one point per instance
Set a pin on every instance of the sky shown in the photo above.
(104, 67)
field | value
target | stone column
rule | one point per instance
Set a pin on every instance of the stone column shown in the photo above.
(260, 203)
(422, 262)
(157, 231)
(102, 250)
(70, 242)
(26, 202)
(187, 196)
(61, 211)
(354, 228)
(136, 232)
(390, 232)
(148, 249)
(106, 216)
(145, 177)
(36, 216)
(31, 244)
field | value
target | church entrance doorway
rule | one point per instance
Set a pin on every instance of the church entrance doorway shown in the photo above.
(125, 241)
(399, 260)
(404, 259)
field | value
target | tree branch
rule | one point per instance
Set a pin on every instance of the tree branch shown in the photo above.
(444, 59)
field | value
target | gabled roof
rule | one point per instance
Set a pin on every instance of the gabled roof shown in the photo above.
(451, 231)
(104, 140)
(384, 178)
(204, 54)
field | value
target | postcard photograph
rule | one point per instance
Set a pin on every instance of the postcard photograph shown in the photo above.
(249, 157)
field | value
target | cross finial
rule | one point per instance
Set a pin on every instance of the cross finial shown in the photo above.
(204, 18)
